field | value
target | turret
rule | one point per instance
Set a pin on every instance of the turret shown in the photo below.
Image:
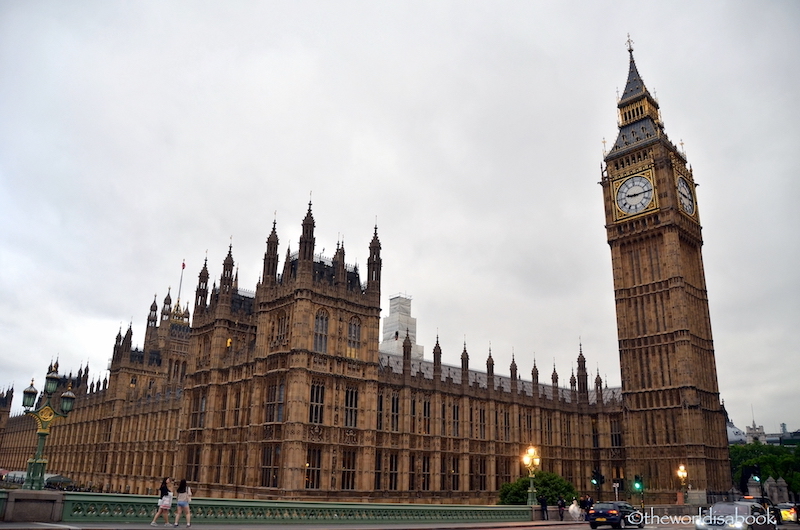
(583, 377)
(201, 293)
(437, 362)
(127, 341)
(166, 309)
(598, 388)
(152, 317)
(573, 384)
(287, 267)
(226, 280)
(407, 358)
(514, 377)
(339, 272)
(465, 366)
(117, 347)
(306, 252)
(151, 333)
(271, 258)
(554, 379)
(374, 265)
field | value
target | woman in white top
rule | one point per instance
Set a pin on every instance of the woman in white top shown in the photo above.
(184, 497)
(574, 510)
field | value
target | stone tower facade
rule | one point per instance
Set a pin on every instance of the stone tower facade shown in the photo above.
(671, 400)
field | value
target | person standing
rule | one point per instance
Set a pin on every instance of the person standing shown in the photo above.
(543, 504)
(164, 501)
(562, 505)
(184, 498)
(574, 509)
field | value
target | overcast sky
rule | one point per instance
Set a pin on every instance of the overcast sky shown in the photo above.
(134, 135)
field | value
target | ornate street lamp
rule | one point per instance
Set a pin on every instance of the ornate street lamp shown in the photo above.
(44, 416)
(682, 474)
(531, 460)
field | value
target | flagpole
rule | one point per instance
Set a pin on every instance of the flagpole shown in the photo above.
(180, 284)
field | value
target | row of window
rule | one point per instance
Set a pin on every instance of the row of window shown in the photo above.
(386, 476)
(388, 417)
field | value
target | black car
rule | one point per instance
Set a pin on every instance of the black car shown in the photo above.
(616, 514)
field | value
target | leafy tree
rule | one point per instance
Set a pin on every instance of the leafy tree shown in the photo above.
(766, 460)
(551, 485)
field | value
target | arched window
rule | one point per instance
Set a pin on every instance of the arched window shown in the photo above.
(280, 328)
(353, 337)
(321, 332)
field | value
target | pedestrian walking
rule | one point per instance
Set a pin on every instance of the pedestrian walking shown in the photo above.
(562, 505)
(184, 498)
(164, 501)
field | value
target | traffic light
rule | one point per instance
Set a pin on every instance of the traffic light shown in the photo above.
(638, 485)
(597, 478)
(757, 473)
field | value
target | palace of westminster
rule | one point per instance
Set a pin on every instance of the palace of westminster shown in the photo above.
(287, 392)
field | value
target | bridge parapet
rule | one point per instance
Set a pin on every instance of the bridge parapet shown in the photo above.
(102, 507)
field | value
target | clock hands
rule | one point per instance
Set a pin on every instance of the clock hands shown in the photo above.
(631, 195)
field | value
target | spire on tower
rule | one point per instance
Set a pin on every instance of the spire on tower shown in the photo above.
(166, 309)
(271, 257)
(226, 280)
(639, 116)
(374, 263)
(306, 252)
(201, 293)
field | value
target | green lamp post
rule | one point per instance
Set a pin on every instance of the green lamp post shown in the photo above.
(531, 460)
(45, 415)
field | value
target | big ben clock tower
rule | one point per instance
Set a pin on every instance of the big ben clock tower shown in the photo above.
(673, 414)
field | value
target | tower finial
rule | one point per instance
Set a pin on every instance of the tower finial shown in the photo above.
(629, 45)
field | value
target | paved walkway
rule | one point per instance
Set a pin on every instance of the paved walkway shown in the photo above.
(269, 526)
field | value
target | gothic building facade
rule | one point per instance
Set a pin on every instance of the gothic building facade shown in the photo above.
(282, 392)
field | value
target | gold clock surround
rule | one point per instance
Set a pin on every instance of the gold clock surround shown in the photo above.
(652, 204)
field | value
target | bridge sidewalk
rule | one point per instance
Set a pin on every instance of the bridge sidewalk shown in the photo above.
(271, 526)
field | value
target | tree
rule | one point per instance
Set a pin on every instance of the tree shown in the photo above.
(767, 461)
(551, 485)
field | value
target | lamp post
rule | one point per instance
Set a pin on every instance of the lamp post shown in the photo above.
(682, 474)
(44, 416)
(531, 460)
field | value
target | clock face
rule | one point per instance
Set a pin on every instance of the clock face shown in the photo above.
(635, 194)
(685, 196)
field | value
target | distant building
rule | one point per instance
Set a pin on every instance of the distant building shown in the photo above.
(755, 434)
(397, 325)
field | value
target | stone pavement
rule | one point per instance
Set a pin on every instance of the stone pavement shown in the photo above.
(539, 525)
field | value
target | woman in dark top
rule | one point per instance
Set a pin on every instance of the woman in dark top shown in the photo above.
(164, 501)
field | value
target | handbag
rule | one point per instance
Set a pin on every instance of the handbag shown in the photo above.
(165, 501)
